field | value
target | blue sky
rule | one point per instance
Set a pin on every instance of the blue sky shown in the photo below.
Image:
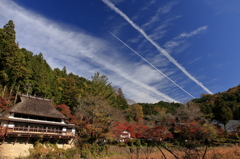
(168, 50)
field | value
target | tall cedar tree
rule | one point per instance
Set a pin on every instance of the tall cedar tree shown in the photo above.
(121, 101)
(42, 76)
(12, 70)
(70, 92)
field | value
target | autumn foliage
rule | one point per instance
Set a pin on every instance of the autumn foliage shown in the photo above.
(3, 104)
(158, 133)
(137, 130)
(65, 110)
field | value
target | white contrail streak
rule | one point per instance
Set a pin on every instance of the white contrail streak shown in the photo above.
(151, 65)
(164, 52)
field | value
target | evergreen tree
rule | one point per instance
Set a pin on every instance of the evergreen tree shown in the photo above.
(70, 92)
(58, 84)
(222, 113)
(121, 101)
(41, 76)
(99, 86)
(12, 63)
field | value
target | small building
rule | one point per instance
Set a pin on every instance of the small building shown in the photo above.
(34, 118)
(124, 136)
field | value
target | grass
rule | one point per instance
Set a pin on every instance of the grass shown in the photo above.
(232, 152)
(224, 152)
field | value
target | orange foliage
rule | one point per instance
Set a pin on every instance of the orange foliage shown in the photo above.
(65, 110)
(3, 104)
(158, 132)
(160, 110)
(136, 130)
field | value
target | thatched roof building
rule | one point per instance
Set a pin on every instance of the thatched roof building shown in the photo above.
(32, 117)
(30, 105)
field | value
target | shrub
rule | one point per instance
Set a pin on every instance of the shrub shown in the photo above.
(51, 151)
(94, 150)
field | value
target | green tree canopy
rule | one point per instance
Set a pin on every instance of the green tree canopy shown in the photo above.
(222, 113)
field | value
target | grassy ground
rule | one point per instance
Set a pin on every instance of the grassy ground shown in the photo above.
(232, 152)
(224, 152)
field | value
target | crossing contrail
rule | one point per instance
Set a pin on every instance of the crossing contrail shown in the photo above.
(164, 52)
(151, 65)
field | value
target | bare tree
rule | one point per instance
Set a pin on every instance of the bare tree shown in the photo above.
(95, 117)
(188, 111)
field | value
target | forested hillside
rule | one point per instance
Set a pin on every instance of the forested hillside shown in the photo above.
(27, 72)
(221, 106)
(150, 109)
(22, 71)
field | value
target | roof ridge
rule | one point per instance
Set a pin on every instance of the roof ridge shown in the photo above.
(35, 97)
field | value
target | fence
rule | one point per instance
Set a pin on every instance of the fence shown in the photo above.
(38, 130)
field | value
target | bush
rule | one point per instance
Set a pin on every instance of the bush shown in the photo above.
(135, 143)
(51, 151)
(94, 150)
(176, 142)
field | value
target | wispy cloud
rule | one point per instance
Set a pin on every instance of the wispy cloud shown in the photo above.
(135, 40)
(162, 10)
(83, 54)
(161, 30)
(222, 6)
(188, 35)
(149, 3)
(118, 28)
(153, 66)
(158, 60)
(117, 1)
(221, 64)
(196, 59)
(112, 6)
(156, 34)
(181, 38)
(172, 44)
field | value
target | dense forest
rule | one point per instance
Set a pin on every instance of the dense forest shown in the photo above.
(222, 107)
(98, 107)
(26, 72)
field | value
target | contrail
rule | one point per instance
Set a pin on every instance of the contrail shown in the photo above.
(151, 65)
(164, 52)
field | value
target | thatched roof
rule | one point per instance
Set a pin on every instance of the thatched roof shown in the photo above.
(35, 106)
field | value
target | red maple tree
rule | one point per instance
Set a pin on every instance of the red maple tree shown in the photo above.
(137, 130)
(158, 133)
(65, 110)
